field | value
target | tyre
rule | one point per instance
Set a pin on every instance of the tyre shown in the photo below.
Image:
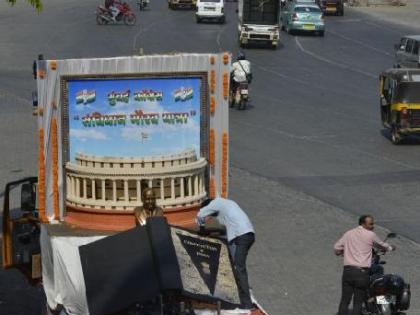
(385, 309)
(130, 20)
(242, 104)
(321, 33)
(222, 20)
(273, 47)
(100, 20)
(395, 136)
(197, 19)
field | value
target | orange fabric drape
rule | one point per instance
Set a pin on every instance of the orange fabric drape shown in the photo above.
(212, 81)
(225, 85)
(224, 164)
(211, 148)
(212, 188)
(212, 105)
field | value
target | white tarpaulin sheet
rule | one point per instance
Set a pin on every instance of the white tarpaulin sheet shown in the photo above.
(62, 271)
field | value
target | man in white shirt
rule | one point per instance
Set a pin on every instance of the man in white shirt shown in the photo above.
(240, 233)
(241, 69)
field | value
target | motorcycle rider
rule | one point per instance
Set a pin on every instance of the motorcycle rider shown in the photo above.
(356, 247)
(112, 6)
(241, 71)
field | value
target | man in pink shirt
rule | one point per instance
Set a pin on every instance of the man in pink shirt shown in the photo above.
(356, 247)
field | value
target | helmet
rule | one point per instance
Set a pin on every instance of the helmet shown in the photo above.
(241, 56)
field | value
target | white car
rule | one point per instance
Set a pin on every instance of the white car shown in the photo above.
(211, 10)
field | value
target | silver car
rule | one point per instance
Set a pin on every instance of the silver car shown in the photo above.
(301, 16)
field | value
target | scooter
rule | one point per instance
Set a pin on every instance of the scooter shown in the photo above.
(240, 95)
(142, 4)
(103, 15)
(388, 294)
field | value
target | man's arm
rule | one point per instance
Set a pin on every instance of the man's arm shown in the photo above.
(339, 247)
(378, 243)
(210, 209)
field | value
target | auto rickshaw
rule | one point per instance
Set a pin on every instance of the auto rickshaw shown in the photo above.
(400, 102)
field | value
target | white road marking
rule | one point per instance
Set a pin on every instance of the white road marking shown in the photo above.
(219, 34)
(331, 62)
(361, 43)
(336, 146)
(389, 29)
(347, 21)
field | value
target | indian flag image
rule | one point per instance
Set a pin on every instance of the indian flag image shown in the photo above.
(183, 94)
(85, 97)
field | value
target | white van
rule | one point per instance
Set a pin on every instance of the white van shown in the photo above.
(211, 10)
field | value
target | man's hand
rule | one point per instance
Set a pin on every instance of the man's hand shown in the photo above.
(200, 221)
(339, 252)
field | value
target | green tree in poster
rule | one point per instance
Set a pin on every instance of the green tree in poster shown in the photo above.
(37, 4)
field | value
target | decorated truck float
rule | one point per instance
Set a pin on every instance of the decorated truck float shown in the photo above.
(108, 129)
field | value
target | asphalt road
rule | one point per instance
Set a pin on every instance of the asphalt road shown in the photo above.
(306, 157)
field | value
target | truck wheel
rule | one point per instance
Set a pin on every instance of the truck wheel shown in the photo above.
(197, 19)
(321, 33)
(222, 20)
(273, 47)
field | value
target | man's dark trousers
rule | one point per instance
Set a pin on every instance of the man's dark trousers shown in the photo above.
(355, 282)
(243, 243)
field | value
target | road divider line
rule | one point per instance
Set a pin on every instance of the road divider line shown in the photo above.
(331, 62)
(142, 30)
(219, 34)
(361, 43)
(336, 146)
(389, 29)
(303, 82)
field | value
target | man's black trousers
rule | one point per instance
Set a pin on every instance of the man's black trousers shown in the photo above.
(242, 245)
(355, 282)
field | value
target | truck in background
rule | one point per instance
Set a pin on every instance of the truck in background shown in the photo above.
(335, 7)
(258, 21)
(182, 4)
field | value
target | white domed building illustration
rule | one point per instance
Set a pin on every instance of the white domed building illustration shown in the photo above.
(102, 192)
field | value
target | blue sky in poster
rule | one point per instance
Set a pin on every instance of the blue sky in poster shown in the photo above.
(132, 140)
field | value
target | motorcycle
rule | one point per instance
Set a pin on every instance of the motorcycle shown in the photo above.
(104, 15)
(240, 95)
(142, 4)
(388, 294)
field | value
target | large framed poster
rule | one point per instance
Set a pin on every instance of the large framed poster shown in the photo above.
(135, 117)
(123, 134)
(111, 127)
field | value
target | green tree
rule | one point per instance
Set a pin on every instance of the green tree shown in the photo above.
(37, 4)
